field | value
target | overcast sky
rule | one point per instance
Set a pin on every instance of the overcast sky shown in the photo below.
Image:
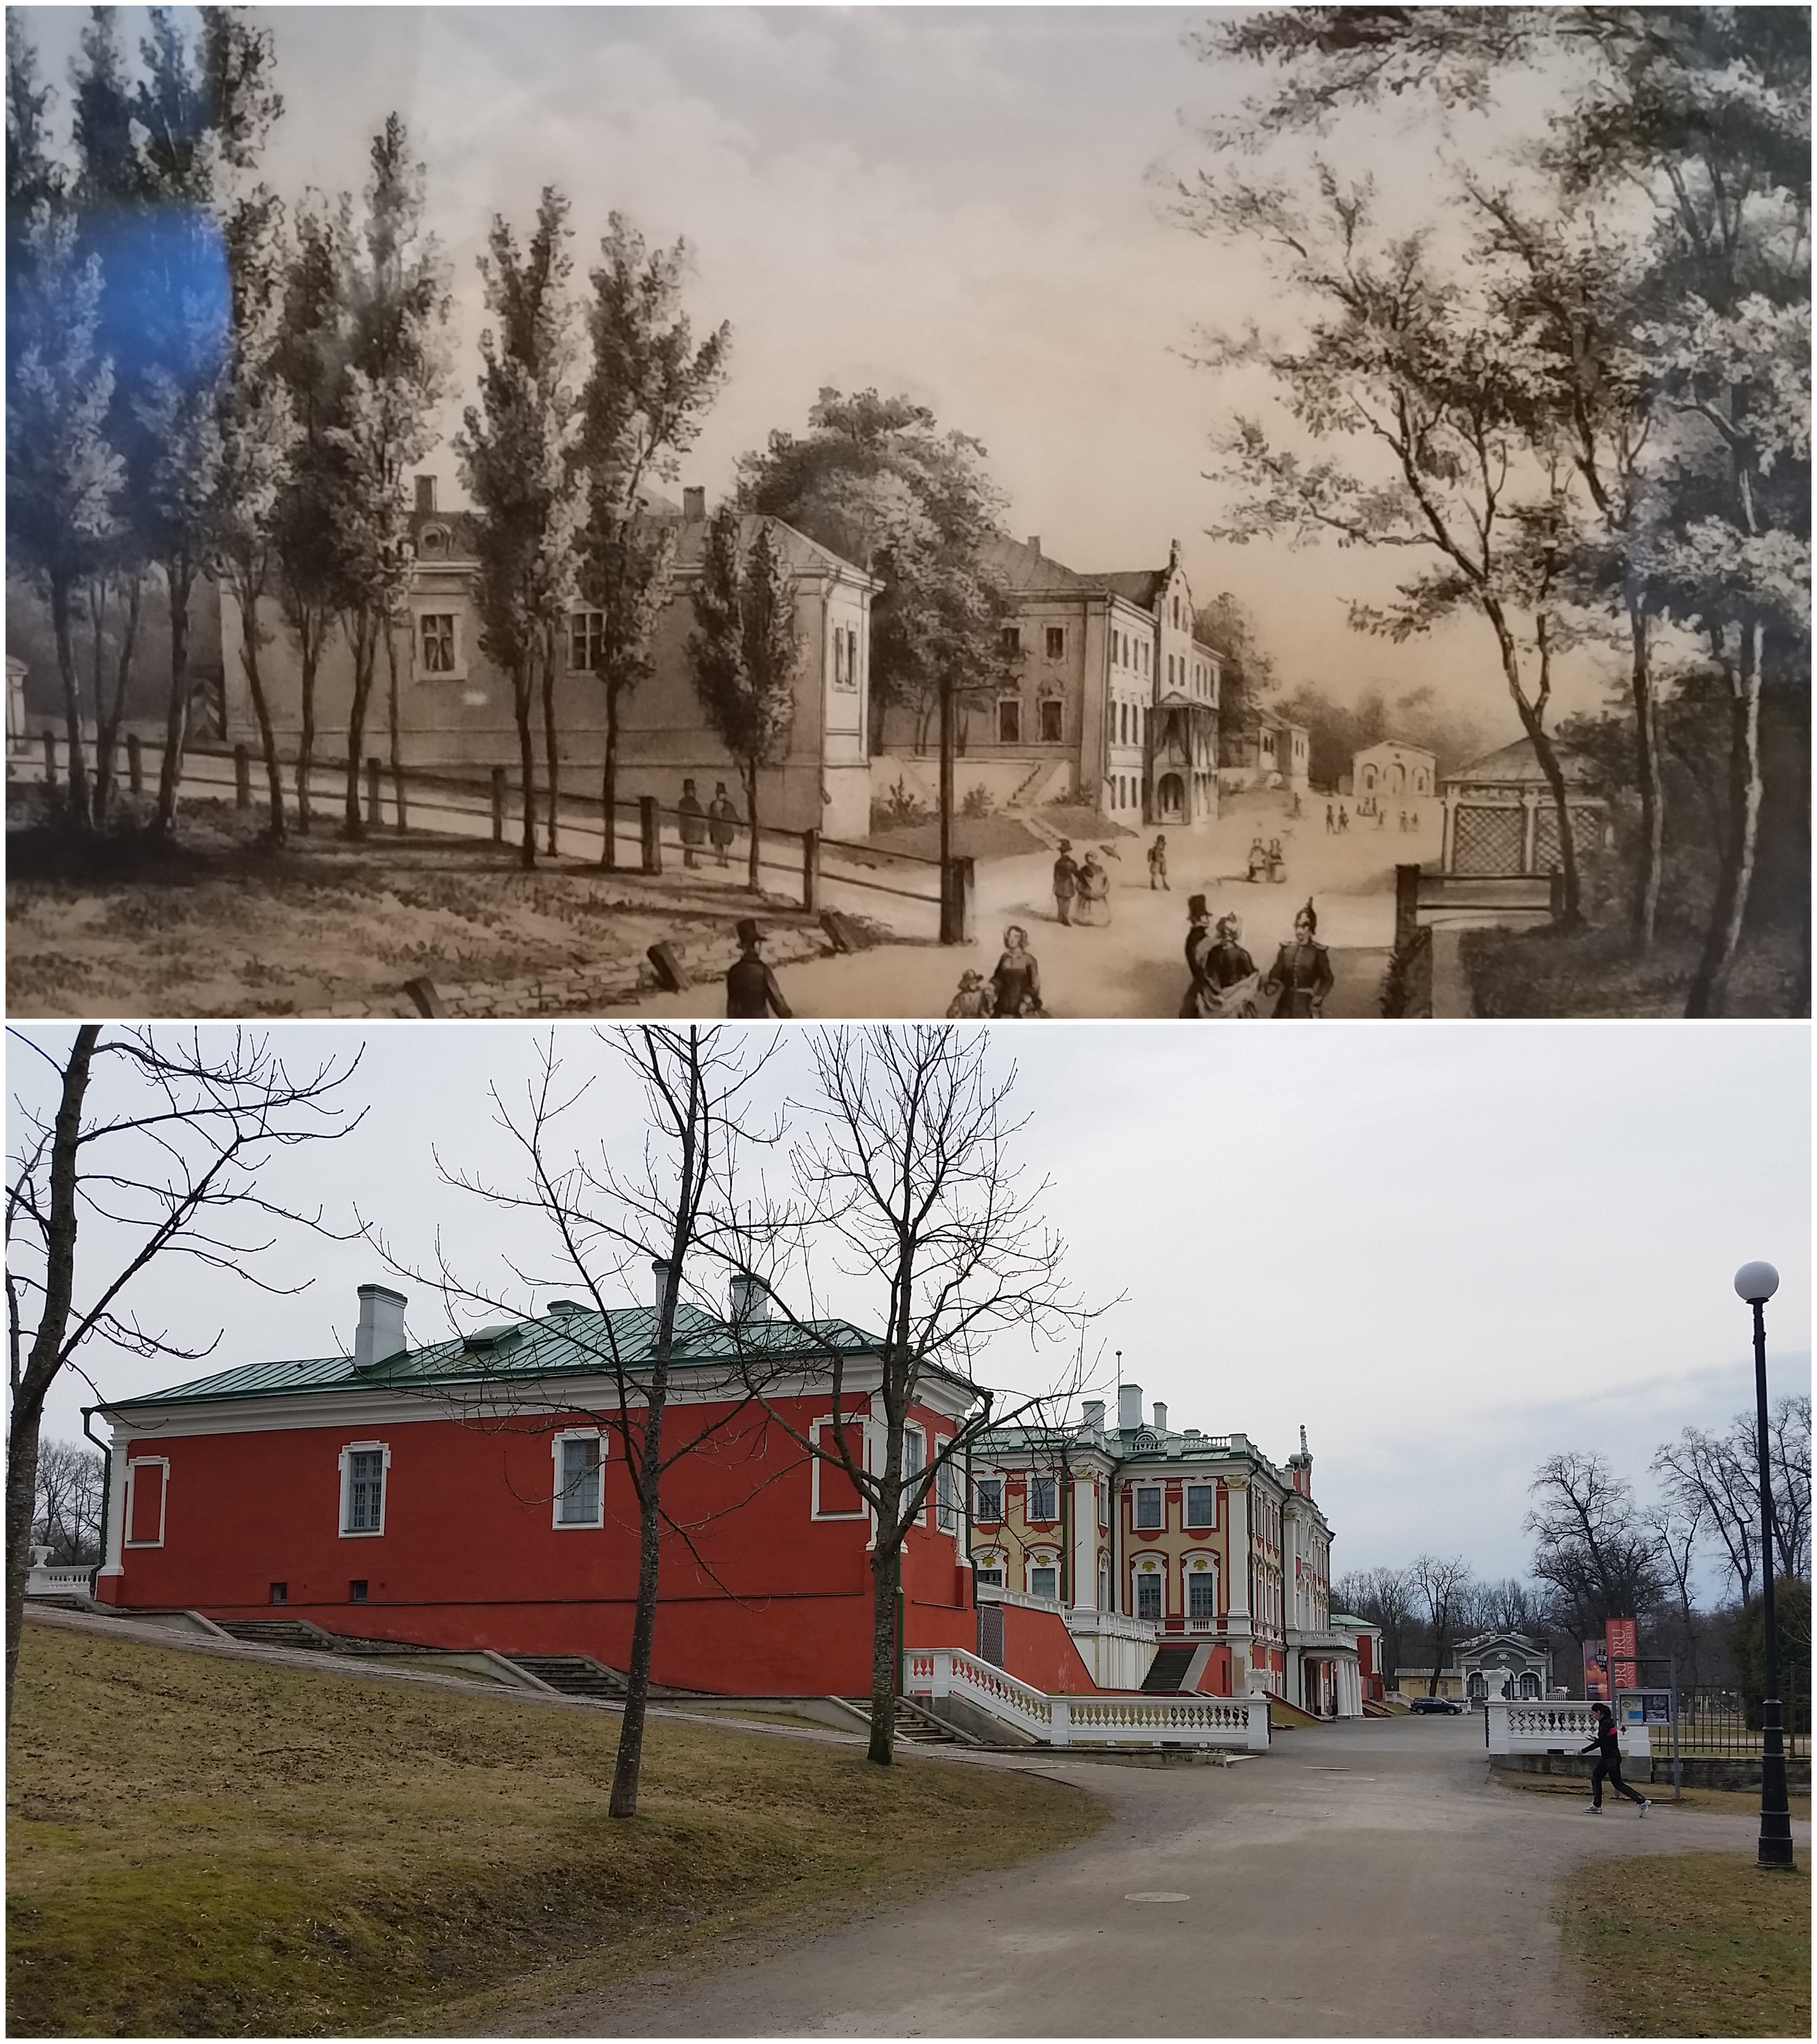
(1447, 1251)
(966, 205)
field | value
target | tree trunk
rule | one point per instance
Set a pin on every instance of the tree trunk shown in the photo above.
(78, 809)
(262, 711)
(311, 647)
(886, 1580)
(365, 658)
(1651, 779)
(110, 717)
(394, 733)
(1547, 754)
(46, 1355)
(951, 932)
(608, 783)
(101, 800)
(750, 775)
(1709, 986)
(179, 578)
(551, 749)
(522, 690)
(630, 1760)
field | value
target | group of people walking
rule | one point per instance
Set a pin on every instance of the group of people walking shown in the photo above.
(1225, 982)
(718, 824)
(1081, 892)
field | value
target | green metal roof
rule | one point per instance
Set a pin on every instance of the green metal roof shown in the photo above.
(572, 1343)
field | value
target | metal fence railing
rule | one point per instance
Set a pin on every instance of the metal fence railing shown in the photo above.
(1719, 1722)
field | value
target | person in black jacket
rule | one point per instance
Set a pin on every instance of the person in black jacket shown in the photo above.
(751, 993)
(1606, 1745)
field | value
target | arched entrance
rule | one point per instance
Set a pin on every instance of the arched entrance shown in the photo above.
(1170, 799)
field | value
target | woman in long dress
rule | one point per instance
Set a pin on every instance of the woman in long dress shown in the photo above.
(1015, 985)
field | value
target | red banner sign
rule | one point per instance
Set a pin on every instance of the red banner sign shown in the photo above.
(1618, 1635)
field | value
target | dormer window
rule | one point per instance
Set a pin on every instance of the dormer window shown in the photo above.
(432, 543)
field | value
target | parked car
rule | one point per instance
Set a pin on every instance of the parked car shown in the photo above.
(1435, 1707)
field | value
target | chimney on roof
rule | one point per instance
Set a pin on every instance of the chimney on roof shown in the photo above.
(1094, 1414)
(380, 1334)
(693, 507)
(659, 1266)
(1034, 542)
(425, 493)
(559, 1309)
(1160, 1417)
(749, 1299)
(1129, 1407)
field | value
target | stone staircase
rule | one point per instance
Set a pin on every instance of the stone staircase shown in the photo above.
(1168, 1669)
(917, 1726)
(577, 1675)
(299, 1632)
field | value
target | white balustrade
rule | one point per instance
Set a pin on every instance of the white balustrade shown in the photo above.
(1240, 1722)
(43, 1581)
(1528, 1726)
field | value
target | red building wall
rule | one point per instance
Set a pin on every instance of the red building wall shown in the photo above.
(1037, 1648)
(773, 1599)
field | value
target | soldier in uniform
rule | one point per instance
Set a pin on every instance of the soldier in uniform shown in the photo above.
(751, 993)
(1301, 973)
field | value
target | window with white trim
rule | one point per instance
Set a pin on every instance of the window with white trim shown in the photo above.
(1056, 642)
(914, 1460)
(147, 1482)
(586, 641)
(1149, 1589)
(1010, 720)
(1044, 1500)
(835, 1495)
(363, 1467)
(987, 1499)
(1103, 1490)
(946, 1496)
(1044, 1575)
(580, 1477)
(1149, 1518)
(1201, 1588)
(437, 642)
(1201, 1504)
(989, 1568)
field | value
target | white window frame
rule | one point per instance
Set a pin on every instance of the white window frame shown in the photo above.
(1040, 1557)
(1030, 1515)
(1008, 702)
(1138, 1492)
(949, 1491)
(992, 1567)
(983, 1518)
(851, 1422)
(348, 1451)
(556, 1445)
(133, 1469)
(575, 617)
(914, 1430)
(1156, 1574)
(423, 611)
(1191, 1524)
(1205, 1567)
(1049, 634)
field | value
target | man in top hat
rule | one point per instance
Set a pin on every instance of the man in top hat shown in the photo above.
(1301, 973)
(1065, 880)
(1157, 864)
(693, 819)
(751, 993)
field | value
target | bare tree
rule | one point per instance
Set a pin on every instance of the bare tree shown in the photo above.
(171, 1158)
(1676, 1530)
(608, 1217)
(66, 1512)
(1384, 1596)
(908, 1185)
(1712, 1477)
(1442, 1584)
(1788, 1465)
(1590, 1543)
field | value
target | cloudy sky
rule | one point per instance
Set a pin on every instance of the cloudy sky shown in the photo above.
(1448, 1252)
(966, 205)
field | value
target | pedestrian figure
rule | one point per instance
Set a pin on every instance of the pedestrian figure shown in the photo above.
(1276, 860)
(693, 822)
(1198, 943)
(1301, 973)
(1158, 866)
(723, 823)
(1257, 860)
(972, 1000)
(1066, 883)
(1404, 819)
(1380, 816)
(1015, 985)
(1413, 822)
(1605, 1743)
(1343, 819)
(1330, 825)
(751, 990)
(1094, 891)
(1296, 810)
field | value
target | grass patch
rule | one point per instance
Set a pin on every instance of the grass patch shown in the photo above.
(1553, 975)
(1691, 1945)
(1724, 1802)
(198, 1847)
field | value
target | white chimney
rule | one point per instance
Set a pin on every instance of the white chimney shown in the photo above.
(1129, 1407)
(694, 506)
(750, 1299)
(659, 1266)
(1094, 1414)
(425, 493)
(1160, 1417)
(380, 1334)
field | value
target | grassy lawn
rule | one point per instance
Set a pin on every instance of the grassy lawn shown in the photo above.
(1595, 972)
(1692, 1944)
(198, 1847)
(220, 923)
(1726, 1802)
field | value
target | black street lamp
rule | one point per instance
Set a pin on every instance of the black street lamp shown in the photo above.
(1757, 1283)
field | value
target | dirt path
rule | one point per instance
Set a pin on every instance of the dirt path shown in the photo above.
(1361, 1879)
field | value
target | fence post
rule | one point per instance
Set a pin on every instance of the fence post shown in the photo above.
(1406, 905)
(498, 806)
(50, 759)
(398, 797)
(374, 769)
(649, 832)
(135, 764)
(811, 871)
(242, 778)
(1555, 894)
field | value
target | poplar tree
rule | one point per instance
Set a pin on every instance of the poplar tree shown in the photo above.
(647, 392)
(745, 652)
(517, 460)
(393, 306)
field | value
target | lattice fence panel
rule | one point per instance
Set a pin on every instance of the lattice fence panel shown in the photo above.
(1486, 842)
